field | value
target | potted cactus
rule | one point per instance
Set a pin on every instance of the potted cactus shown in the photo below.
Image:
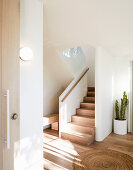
(120, 121)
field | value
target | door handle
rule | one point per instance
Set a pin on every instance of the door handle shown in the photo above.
(14, 116)
(7, 95)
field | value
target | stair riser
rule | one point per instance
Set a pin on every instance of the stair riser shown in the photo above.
(91, 89)
(91, 94)
(76, 139)
(83, 121)
(87, 106)
(83, 112)
(81, 129)
(89, 99)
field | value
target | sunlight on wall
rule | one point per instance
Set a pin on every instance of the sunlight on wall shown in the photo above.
(74, 58)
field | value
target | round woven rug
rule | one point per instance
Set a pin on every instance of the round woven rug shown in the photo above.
(103, 159)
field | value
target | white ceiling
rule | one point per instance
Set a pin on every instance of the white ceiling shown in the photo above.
(107, 23)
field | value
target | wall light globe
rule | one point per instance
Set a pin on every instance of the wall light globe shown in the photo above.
(26, 54)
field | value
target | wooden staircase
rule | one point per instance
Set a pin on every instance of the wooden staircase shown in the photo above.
(82, 128)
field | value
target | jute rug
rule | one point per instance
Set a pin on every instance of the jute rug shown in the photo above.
(103, 160)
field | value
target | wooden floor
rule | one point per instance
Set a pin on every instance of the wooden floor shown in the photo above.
(59, 154)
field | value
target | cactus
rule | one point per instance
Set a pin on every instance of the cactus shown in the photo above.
(117, 109)
(124, 105)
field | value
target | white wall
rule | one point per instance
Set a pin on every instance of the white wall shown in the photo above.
(121, 76)
(122, 80)
(89, 53)
(31, 86)
(104, 93)
(76, 22)
(56, 77)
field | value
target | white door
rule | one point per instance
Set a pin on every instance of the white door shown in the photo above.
(9, 86)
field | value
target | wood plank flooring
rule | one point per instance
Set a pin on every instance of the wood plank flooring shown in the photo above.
(59, 154)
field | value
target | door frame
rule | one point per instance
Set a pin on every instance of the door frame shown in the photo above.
(130, 115)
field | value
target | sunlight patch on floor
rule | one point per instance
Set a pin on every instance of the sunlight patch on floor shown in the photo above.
(64, 145)
(52, 166)
(58, 150)
(58, 155)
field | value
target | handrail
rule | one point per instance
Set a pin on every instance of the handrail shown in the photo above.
(74, 85)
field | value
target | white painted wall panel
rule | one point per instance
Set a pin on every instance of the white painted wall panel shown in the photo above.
(31, 86)
(104, 93)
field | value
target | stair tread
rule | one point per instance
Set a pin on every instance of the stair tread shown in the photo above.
(88, 103)
(91, 92)
(51, 115)
(84, 116)
(86, 109)
(89, 97)
(76, 123)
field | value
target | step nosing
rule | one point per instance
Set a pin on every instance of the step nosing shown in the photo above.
(87, 103)
(89, 97)
(86, 109)
(89, 117)
(74, 123)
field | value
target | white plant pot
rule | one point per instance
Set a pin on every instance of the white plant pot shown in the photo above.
(120, 127)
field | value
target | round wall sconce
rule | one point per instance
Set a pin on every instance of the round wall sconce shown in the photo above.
(26, 54)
